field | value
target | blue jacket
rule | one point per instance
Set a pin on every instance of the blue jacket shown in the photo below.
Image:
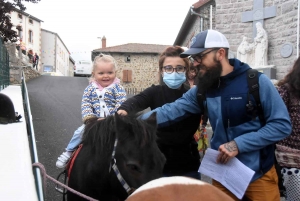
(230, 121)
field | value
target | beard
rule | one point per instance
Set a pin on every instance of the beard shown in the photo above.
(208, 77)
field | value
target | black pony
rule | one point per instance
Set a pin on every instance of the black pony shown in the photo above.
(117, 144)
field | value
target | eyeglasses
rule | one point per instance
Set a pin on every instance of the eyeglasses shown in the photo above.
(169, 69)
(199, 57)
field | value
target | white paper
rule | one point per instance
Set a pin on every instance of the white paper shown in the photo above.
(234, 175)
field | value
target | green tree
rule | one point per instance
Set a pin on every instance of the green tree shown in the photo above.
(6, 6)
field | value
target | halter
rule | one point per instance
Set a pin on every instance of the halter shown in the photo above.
(113, 165)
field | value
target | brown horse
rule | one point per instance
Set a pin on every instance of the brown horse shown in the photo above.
(178, 189)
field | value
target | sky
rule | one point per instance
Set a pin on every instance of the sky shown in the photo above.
(80, 23)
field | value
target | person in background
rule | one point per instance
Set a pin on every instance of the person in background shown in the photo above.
(236, 133)
(200, 135)
(35, 61)
(191, 76)
(102, 97)
(176, 141)
(288, 150)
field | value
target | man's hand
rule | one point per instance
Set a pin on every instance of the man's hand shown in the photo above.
(227, 151)
(122, 112)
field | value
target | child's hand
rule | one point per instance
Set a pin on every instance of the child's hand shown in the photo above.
(122, 112)
(99, 119)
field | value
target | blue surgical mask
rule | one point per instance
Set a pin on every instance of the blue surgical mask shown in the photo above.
(174, 80)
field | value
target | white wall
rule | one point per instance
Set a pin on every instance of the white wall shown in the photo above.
(55, 53)
(48, 49)
(62, 58)
(71, 68)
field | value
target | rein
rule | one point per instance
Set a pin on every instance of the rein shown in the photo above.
(43, 172)
(113, 165)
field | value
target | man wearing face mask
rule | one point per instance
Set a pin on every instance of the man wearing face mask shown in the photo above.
(176, 142)
(236, 132)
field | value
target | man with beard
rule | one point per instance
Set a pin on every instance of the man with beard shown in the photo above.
(236, 132)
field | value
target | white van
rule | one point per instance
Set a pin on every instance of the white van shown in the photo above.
(83, 68)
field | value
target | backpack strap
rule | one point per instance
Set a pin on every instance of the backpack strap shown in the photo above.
(201, 97)
(252, 78)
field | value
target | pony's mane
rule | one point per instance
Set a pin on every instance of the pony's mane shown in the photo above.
(102, 134)
(142, 131)
(99, 131)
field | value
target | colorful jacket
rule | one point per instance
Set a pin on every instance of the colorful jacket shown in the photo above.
(229, 119)
(101, 103)
(288, 149)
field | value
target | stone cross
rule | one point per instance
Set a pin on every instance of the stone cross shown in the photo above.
(258, 14)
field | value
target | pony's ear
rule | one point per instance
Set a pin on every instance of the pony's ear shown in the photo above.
(152, 119)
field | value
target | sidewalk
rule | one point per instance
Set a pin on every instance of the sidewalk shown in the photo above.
(17, 179)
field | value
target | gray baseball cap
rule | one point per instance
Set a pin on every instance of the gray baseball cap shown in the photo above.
(205, 40)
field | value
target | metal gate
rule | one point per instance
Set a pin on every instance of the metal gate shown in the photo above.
(4, 66)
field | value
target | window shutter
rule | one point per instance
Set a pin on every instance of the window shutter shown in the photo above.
(125, 75)
(129, 78)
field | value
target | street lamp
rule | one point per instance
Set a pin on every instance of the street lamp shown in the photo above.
(100, 40)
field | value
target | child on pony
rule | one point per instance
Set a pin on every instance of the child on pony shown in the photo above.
(102, 97)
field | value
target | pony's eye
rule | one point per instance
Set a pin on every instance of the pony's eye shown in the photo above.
(133, 167)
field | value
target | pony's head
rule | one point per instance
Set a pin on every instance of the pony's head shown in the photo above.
(136, 154)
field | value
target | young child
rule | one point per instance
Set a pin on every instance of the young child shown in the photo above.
(102, 97)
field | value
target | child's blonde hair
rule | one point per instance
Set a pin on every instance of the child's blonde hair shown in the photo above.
(102, 58)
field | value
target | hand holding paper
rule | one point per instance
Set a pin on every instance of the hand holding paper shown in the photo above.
(234, 175)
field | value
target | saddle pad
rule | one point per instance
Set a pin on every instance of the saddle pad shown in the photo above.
(72, 160)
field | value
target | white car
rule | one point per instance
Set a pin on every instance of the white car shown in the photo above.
(83, 68)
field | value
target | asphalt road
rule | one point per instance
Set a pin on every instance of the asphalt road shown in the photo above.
(55, 107)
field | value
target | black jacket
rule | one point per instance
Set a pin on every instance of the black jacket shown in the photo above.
(176, 141)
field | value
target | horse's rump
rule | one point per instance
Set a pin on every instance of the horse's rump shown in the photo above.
(178, 188)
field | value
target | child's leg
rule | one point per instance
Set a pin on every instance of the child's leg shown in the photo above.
(63, 159)
(76, 139)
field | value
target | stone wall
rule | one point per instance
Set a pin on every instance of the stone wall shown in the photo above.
(281, 29)
(196, 28)
(144, 67)
(29, 73)
(15, 62)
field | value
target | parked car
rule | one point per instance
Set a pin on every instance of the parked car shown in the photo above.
(83, 68)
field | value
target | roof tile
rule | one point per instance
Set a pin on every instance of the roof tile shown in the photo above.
(134, 48)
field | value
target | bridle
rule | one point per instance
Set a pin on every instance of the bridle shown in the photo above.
(113, 165)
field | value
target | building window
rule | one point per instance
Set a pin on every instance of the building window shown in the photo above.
(127, 76)
(30, 21)
(20, 32)
(30, 36)
(20, 16)
(127, 58)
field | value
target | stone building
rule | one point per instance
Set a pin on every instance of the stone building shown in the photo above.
(137, 64)
(237, 18)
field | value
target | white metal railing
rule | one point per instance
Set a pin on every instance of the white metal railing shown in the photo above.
(37, 173)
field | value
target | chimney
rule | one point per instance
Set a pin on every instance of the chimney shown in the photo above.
(103, 42)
